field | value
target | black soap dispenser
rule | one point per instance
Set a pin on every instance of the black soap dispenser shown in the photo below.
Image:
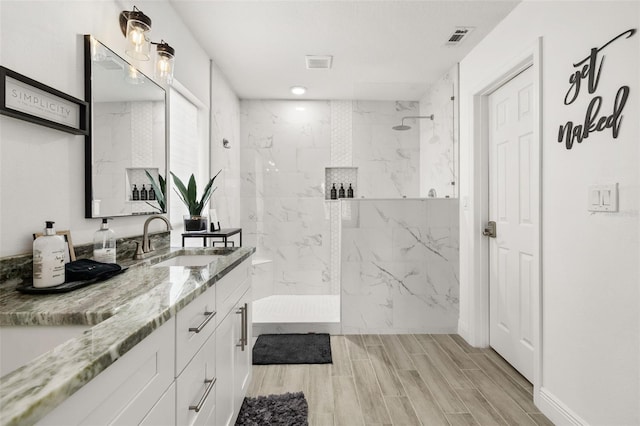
(152, 194)
(350, 192)
(334, 192)
(341, 191)
(144, 194)
(135, 193)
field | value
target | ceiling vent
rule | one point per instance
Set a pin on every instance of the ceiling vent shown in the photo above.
(458, 35)
(318, 62)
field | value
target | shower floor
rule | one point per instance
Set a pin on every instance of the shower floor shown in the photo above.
(297, 314)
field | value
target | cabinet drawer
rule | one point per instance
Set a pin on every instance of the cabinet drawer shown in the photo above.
(194, 324)
(196, 388)
(227, 288)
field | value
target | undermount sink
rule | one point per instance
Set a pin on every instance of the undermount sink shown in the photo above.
(187, 260)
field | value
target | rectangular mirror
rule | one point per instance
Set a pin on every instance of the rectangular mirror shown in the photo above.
(126, 147)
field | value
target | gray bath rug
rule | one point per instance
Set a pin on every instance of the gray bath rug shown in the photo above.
(292, 349)
(290, 409)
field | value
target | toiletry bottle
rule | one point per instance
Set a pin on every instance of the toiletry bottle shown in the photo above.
(136, 193)
(152, 194)
(341, 191)
(143, 193)
(350, 192)
(48, 258)
(104, 244)
(334, 192)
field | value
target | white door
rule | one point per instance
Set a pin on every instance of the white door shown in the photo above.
(513, 202)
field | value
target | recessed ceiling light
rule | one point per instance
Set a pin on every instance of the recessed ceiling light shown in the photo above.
(298, 90)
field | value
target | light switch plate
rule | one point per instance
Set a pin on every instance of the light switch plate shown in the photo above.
(603, 198)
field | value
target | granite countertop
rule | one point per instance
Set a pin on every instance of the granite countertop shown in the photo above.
(120, 313)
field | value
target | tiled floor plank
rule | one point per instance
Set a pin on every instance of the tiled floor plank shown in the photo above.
(401, 411)
(501, 401)
(345, 399)
(479, 407)
(466, 347)
(355, 347)
(425, 405)
(541, 419)
(385, 373)
(446, 366)
(341, 364)
(440, 388)
(369, 395)
(463, 419)
(320, 396)
(256, 380)
(508, 368)
(455, 352)
(396, 352)
(371, 340)
(410, 344)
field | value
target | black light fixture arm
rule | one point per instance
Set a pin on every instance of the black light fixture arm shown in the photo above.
(430, 117)
(135, 14)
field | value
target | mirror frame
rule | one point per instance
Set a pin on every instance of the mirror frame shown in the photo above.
(88, 141)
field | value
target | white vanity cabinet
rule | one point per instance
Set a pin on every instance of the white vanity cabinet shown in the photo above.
(194, 370)
(127, 391)
(233, 345)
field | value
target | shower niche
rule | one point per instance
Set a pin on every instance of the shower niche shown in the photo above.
(340, 175)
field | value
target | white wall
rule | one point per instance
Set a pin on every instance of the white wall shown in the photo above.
(42, 170)
(590, 292)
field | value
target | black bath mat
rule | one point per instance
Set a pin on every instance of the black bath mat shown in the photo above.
(292, 349)
(290, 409)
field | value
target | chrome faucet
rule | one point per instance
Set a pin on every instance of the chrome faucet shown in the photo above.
(146, 249)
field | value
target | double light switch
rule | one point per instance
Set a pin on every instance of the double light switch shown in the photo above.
(603, 198)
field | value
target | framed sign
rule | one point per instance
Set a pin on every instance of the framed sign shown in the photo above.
(29, 100)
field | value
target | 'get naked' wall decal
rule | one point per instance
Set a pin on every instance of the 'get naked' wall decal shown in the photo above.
(593, 122)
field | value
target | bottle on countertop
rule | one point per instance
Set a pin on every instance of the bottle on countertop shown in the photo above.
(144, 194)
(334, 192)
(341, 191)
(135, 196)
(48, 258)
(350, 192)
(104, 243)
(152, 194)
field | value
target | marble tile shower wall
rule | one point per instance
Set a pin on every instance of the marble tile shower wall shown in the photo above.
(388, 161)
(284, 151)
(400, 266)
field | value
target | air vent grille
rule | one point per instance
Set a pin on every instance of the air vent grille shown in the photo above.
(319, 62)
(458, 35)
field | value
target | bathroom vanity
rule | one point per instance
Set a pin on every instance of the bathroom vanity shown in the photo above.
(168, 342)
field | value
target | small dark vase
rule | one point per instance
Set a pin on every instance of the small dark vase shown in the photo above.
(195, 223)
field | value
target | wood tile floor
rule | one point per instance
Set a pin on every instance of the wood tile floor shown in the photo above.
(408, 379)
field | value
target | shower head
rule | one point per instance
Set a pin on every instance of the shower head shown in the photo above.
(403, 126)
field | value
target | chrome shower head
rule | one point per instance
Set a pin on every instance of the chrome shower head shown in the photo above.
(403, 126)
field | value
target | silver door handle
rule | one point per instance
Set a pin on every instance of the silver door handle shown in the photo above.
(490, 230)
(199, 328)
(241, 311)
(210, 383)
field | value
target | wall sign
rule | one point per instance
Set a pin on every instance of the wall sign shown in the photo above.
(29, 100)
(588, 73)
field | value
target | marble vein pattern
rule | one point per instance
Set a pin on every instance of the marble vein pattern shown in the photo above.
(399, 266)
(285, 147)
(121, 312)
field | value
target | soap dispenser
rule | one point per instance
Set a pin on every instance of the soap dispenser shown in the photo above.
(104, 243)
(341, 191)
(48, 258)
(143, 193)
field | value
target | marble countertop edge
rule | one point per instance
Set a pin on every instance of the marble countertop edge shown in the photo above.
(33, 390)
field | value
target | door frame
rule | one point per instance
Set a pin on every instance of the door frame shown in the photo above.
(479, 312)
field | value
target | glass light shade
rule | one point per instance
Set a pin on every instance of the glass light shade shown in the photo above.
(138, 45)
(164, 63)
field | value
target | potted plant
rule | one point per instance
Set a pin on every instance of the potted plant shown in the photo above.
(195, 221)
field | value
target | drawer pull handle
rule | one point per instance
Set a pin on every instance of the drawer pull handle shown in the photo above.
(210, 384)
(199, 328)
(243, 311)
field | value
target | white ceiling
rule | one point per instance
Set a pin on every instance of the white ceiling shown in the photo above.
(383, 50)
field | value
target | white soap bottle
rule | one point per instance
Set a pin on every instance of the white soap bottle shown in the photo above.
(48, 258)
(104, 243)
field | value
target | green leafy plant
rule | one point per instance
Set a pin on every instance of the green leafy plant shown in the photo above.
(160, 190)
(189, 193)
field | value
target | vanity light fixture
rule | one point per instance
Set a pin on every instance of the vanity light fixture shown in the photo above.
(134, 26)
(165, 56)
(298, 90)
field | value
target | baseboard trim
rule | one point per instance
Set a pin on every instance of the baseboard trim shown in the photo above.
(557, 411)
(463, 330)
